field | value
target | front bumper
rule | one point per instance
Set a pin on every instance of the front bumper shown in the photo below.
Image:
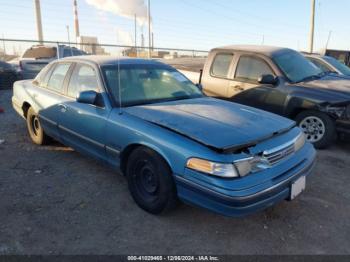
(238, 205)
(343, 126)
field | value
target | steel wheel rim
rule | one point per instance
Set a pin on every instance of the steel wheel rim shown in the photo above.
(314, 128)
(146, 180)
(35, 125)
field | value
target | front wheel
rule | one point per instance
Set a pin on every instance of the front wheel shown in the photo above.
(318, 127)
(150, 181)
(35, 130)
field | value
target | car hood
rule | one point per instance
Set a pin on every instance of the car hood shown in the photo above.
(215, 123)
(334, 87)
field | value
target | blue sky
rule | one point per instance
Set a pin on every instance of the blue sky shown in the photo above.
(193, 24)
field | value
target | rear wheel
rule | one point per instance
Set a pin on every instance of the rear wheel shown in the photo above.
(150, 181)
(35, 130)
(318, 127)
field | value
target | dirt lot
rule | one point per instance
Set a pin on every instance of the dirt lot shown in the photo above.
(56, 201)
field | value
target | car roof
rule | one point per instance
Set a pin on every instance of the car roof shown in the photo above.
(103, 60)
(318, 56)
(259, 49)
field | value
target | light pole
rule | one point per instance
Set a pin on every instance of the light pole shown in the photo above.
(136, 35)
(312, 26)
(68, 37)
(39, 26)
(149, 29)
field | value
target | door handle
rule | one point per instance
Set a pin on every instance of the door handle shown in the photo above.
(63, 108)
(237, 87)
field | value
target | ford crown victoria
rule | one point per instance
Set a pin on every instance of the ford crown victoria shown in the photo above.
(171, 142)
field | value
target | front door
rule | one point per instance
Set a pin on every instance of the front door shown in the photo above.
(83, 126)
(245, 88)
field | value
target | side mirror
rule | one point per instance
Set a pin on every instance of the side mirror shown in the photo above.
(267, 79)
(87, 97)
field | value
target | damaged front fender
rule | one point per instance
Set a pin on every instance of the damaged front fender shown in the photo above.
(339, 111)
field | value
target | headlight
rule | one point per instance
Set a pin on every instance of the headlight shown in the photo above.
(299, 142)
(239, 168)
(212, 168)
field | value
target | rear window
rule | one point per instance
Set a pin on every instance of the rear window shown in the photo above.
(221, 65)
(33, 66)
(38, 52)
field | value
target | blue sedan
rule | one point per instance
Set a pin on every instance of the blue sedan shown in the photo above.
(170, 141)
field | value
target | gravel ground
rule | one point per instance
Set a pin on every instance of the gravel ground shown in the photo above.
(56, 201)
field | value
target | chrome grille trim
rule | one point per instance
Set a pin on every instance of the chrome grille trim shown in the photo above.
(277, 154)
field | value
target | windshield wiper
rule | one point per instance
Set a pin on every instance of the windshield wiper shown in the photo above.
(161, 100)
(309, 78)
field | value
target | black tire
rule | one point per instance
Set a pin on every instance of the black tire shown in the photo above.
(325, 133)
(150, 181)
(35, 130)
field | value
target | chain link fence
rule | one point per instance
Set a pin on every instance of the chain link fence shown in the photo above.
(26, 58)
(11, 49)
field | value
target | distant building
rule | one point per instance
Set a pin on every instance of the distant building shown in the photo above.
(90, 45)
(131, 52)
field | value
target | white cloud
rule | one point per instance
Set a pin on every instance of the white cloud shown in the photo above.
(125, 8)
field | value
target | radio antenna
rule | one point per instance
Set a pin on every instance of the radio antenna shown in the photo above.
(119, 87)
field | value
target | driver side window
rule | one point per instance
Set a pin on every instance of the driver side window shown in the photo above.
(83, 78)
(251, 68)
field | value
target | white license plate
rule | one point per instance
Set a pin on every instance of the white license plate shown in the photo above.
(297, 187)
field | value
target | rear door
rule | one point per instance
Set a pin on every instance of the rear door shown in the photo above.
(83, 126)
(244, 87)
(49, 95)
(216, 76)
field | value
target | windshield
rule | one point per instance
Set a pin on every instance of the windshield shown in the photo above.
(338, 65)
(146, 84)
(296, 67)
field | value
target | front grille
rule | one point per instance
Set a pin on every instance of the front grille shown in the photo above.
(275, 155)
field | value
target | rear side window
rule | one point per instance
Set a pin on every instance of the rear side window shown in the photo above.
(58, 75)
(84, 78)
(251, 68)
(221, 65)
(43, 76)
